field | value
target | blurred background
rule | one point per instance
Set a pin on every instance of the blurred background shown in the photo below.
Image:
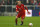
(7, 7)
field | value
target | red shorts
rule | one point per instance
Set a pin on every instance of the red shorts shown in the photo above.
(22, 15)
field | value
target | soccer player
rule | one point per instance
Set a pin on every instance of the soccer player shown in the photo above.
(20, 11)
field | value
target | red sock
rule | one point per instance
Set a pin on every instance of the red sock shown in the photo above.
(16, 21)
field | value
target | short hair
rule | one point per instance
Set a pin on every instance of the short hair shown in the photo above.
(18, 1)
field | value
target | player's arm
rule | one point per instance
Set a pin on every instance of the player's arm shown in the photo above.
(26, 9)
(17, 10)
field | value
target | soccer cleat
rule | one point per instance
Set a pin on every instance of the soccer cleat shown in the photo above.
(21, 24)
(16, 24)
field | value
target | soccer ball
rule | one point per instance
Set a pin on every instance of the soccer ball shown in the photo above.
(30, 25)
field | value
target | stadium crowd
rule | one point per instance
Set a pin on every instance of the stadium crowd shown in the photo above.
(25, 2)
(35, 3)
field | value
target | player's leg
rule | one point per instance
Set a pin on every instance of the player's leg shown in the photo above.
(16, 20)
(22, 18)
(22, 21)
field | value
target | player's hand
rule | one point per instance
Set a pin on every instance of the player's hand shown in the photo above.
(28, 12)
(17, 12)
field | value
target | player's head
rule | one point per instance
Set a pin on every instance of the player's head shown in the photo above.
(19, 3)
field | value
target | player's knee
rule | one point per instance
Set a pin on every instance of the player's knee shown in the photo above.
(21, 19)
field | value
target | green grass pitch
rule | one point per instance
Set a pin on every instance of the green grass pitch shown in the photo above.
(9, 21)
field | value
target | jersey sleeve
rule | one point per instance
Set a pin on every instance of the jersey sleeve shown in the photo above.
(16, 8)
(25, 7)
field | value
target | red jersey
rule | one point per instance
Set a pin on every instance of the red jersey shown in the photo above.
(21, 11)
(20, 8)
